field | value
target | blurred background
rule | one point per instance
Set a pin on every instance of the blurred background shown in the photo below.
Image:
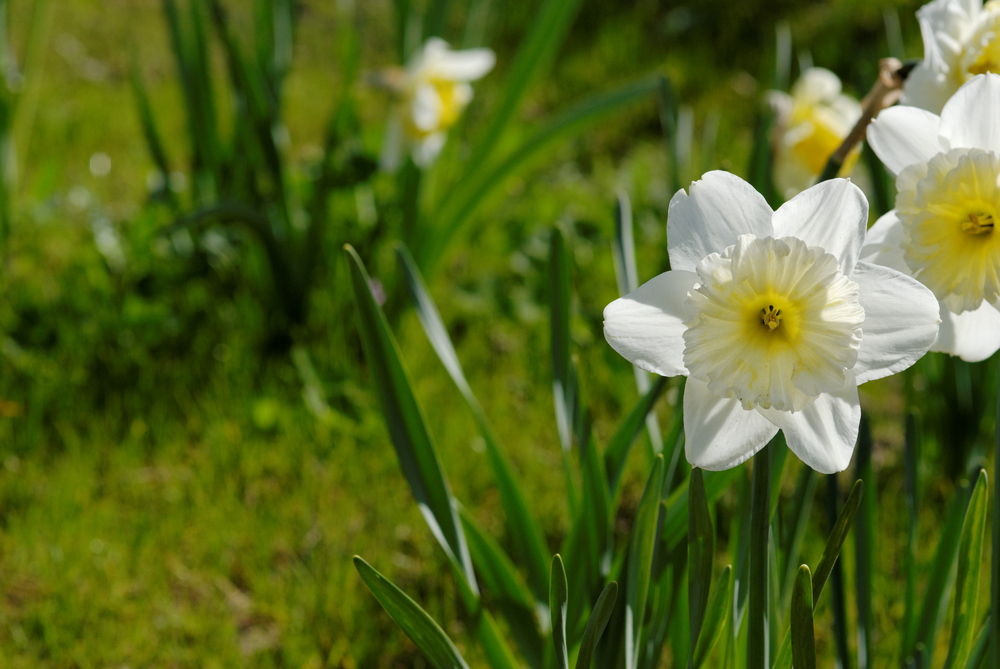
(190, 447)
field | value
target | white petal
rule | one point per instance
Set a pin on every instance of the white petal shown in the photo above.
(926, 87)
(969, 119)
(972, 335)
(719, 209)
(824, 433)
(902, 136)
(647, 325)
(832, 215)
(718, 432)
(392, 144)
(426, 151)
(884, 244)
(901, 321)
(816, 85)
(467, 65)
(425, 109)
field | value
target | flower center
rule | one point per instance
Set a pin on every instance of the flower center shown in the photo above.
(773, 323)
(770, 317)
(948, 208)
(978, 224)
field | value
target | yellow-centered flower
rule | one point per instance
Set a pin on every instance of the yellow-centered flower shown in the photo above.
(811, 124)
(943, 229)
(772, 319)
(433, 91)
(961, 40)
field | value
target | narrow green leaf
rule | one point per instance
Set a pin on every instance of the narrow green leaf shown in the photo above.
(675, 525)
(627, 274)
(864, 546)
(800, 508)
(757, 655)
(408, 430)
(620, 444)
(941, 575)
(836, 540)
(911, 458)
(981, 646)
(523, 528)
(641, 562)
(597, 507)
(495, 569)
(511, 596)
(420, 627)
(557, 610)
(970, 558)
(701, 552)
(498, 654)
(149, 130)
(563, 383)
(803, 636)
(534, 56)
(668, 124)
(595, 626)
(456, 211)
(717, 616)
(994, 623)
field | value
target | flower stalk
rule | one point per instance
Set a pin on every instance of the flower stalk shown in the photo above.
(892, 72)
(760, 523)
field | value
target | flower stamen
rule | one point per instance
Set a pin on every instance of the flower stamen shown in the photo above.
(771, 318)
(978, 224)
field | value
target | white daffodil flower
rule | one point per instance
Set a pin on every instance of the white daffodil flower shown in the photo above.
(433, 91)
(773, 320)
(812, 122)
(942, 230)
(961, 40)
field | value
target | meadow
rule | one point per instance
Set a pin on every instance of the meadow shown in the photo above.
(193, 432)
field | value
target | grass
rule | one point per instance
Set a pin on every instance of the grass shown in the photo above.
(166, 496)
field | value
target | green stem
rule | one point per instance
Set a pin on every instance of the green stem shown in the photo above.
(760, 521)
(837, 582)
(995, 558)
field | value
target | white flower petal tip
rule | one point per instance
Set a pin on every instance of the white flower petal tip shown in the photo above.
(823, 434)
(812, 122)
(647, 326)
(960, 42)
(832, 215)
(776, 322)
(718, 209)
(718, 432)
(434, 90)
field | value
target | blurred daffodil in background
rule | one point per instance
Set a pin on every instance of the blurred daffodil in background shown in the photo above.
(942, 230)
(961, 40)
(432, 91)
(773, 320)
(811, 124)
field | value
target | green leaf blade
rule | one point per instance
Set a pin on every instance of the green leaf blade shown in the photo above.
(414, 621)
(970, 552)
(408, 430)
(557, 610)
(599, 618)
(641, 562)
(803, 634)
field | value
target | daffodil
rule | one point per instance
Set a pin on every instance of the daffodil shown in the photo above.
(773, 320)
(942, 230)
(811, 124)
(961, 40)
(433, 91)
